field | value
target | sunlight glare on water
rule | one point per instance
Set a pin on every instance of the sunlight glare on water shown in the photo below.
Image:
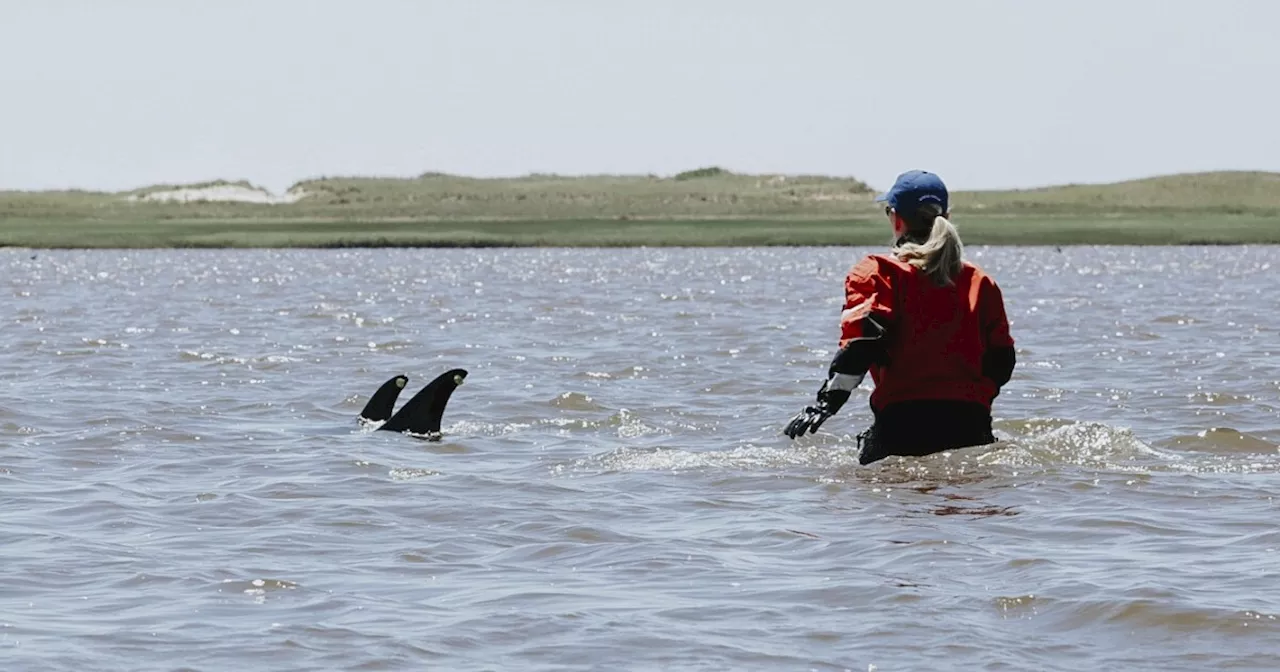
(184, 485)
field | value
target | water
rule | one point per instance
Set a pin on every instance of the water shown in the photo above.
(183, 485)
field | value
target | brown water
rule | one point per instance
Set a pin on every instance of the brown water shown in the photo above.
(183, 486)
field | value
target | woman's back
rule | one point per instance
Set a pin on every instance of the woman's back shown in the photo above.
(938, 335)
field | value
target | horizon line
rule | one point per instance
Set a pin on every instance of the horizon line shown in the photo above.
(722, 172)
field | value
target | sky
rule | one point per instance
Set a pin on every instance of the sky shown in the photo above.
(990, 94)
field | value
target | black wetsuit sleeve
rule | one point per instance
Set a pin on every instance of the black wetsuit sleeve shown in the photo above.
(857, 356)
(998, 363)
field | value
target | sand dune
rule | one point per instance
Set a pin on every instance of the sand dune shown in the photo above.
(236, 193)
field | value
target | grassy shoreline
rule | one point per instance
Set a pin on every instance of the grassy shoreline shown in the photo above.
(700, 208)
(1127, 230)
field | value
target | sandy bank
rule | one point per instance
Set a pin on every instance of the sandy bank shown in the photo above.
(227, 193)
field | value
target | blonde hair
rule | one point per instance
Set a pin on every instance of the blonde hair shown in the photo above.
(941, 255)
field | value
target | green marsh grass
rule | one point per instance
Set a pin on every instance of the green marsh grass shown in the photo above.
(703, 207)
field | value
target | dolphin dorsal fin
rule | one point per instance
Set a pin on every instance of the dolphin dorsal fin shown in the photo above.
(422, 414)
(383, 402)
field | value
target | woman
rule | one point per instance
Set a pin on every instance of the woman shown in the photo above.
(929, 326)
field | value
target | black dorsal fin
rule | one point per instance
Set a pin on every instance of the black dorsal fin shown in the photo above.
(383, 402)
(422, 413)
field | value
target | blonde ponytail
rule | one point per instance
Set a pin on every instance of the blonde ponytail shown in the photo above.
(940, 256)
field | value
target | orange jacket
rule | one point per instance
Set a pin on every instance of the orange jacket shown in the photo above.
(935, 337)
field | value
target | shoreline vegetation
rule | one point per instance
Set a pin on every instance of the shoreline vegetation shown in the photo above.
(703, 207)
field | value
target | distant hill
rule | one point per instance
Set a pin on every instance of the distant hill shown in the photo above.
(709, 192)
(705, 192)
(1225, 191)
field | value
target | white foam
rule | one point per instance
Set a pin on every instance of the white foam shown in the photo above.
(744, 458)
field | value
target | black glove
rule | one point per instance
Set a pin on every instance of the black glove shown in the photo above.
(812, 417)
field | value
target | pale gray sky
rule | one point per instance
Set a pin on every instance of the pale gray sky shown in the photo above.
(999, 93)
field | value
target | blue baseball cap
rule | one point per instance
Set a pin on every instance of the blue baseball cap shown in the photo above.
(912, 189)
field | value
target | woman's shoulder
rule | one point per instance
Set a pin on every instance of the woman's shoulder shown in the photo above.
(880, 263)
(876, 271)
(873, 266)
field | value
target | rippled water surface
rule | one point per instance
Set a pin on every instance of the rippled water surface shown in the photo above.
(183, 485)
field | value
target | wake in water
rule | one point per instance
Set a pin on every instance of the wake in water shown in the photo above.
(1047, 443)
(1022, 447)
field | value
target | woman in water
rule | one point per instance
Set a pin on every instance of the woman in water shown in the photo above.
(928, 325)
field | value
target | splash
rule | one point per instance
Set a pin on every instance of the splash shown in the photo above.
(626, 423)
(258, 589)
(410, 473)
(746, 458)
(1043, 444)
(1049, 442)
(575, 401)
(1023, 447)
